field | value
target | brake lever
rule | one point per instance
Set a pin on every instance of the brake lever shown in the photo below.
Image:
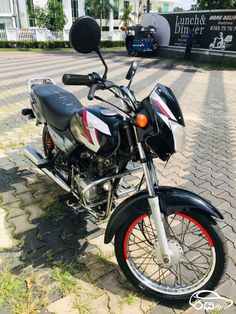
(93, 89)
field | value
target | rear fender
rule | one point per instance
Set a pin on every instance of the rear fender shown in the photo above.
(173, 200)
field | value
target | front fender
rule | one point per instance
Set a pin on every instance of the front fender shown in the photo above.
(175, 200)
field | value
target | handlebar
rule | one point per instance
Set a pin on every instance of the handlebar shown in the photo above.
(77, 79)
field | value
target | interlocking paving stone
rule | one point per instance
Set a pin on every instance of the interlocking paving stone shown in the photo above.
(206, 167)
(21, 224)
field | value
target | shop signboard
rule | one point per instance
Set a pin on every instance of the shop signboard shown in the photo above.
(214, 30)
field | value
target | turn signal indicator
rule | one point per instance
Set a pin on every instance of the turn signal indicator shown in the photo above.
(141, 120)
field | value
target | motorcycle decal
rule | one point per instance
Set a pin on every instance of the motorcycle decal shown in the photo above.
(162, 106)
(87, 135)
(165, 119)
(92, 125)
(97, 123)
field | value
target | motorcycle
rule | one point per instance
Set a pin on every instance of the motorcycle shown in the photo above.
(167, 241)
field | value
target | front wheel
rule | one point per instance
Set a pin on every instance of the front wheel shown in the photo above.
(199, 255)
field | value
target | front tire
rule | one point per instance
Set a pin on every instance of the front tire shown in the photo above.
(201, 250)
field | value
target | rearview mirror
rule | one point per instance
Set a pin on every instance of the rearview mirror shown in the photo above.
(132, 70)
(85, 35)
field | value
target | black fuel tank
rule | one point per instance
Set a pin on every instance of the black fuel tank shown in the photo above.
(98, 129)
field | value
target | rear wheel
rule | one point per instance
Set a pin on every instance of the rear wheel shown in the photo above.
(199, 255)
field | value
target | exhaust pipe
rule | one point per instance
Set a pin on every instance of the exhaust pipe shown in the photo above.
(37, 159)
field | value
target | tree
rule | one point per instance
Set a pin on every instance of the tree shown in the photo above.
(56, 19)
(52, 17)
(127, 11)
(178, 9)
(98, 9)
(214, 4)
(39, 15)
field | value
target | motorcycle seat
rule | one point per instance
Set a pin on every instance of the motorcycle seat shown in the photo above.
(57, 105)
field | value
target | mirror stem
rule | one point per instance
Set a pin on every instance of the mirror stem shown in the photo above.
(104, 63)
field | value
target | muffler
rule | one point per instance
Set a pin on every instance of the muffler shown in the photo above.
(37, 159)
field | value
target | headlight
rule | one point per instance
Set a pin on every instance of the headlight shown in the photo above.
(179, 135)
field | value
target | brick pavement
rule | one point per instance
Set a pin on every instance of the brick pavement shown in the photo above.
(38, 232)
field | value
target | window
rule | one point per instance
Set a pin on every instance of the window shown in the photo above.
(105, 28)
(6, 21)
(74, 9)
(116, 10)
(30, 10)
(5, 6)
(166, 7)
(126, 4)
(2, 25)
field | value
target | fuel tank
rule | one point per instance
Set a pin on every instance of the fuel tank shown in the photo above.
(98, 129)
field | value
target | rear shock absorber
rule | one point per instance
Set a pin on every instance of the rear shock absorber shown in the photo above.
(48, 144)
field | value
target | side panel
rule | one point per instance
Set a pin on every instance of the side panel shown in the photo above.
(63, 140)
(174, 199)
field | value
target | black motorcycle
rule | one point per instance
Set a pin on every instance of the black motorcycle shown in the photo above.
(167, 241)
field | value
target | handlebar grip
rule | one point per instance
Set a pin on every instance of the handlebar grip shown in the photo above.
(76, 79)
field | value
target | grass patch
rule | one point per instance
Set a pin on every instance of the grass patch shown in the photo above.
(104, 258)
(16, 292)
(11, 145)
(82, 305)
(129, 298)
(67, 283)
(12, 287)
(36, 49)
(22, 204)
(113, 49)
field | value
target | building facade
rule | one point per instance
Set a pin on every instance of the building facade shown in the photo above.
(7, 14)
(16, 13)
(163, 6)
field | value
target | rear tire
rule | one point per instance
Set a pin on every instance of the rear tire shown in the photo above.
(211, 233)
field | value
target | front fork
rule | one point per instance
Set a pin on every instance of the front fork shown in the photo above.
(154, 202)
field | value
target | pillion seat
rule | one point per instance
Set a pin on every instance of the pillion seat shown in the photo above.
(57, 105)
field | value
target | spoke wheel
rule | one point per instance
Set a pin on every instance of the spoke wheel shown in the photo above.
(199, 255)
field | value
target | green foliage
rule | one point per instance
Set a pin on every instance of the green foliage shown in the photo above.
(178, 9)
(214, 4)
(11, 287)
(66, 282)
(129, 299)
(98, 8)
(127, 11)
(16, 293)
(39, 15)
(56, 18)
(53, 44)
(52, 17)
(82, 305)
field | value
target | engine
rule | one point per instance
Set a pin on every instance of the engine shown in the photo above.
(92, 168)
(97, 166)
